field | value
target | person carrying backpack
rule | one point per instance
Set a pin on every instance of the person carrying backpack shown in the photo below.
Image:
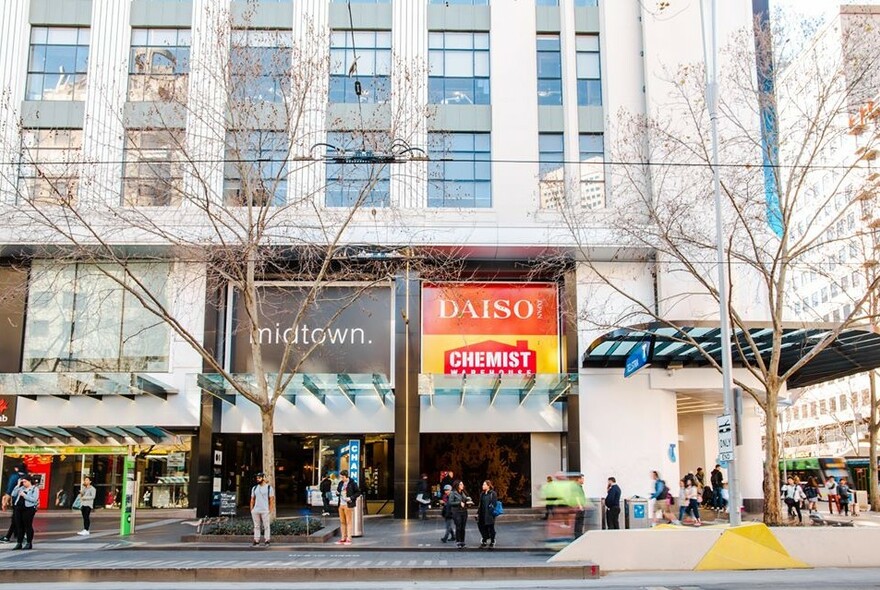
(486, 515)
(661, 496)
(262, 506)
(843, 493)
(811, 493)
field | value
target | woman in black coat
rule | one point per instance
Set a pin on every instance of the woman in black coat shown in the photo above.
(458, 503)
(486, 515)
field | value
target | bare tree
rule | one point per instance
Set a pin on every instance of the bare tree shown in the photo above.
(223, 170)
(661, 186)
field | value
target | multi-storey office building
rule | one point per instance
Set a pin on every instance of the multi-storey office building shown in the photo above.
(514, 103)
(831, 419)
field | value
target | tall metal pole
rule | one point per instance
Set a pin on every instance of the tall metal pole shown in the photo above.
(710, 54)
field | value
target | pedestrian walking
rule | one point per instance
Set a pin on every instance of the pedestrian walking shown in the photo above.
(811, 493)
(682, 500)
(579, 505)
(661, 498)
(692, 497)
(446, 513)
(486, 515)
(612, 505)
(423, 496)
(86, 499)
(25, 498)
(7, 502)
(262, 507)
(459, 500)
(843, 493)
(326, 494)
(833, 498)
(792, 495)
(548, 493)
(348, 495)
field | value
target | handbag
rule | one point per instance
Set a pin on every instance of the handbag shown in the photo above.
(77, 503)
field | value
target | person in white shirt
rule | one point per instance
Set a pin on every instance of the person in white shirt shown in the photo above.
(86, 499)
(792, 494)
(262, 507)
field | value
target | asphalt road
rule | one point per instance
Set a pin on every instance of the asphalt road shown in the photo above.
(837, 578)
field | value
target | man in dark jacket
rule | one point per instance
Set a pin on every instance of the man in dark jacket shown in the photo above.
(717, 479)
(612, 505)
(326, 494)
(348, 495)
(17, 472)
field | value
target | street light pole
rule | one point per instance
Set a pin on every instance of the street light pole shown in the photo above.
(710, 54)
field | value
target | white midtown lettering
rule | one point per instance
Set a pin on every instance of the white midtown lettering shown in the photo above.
(487, 309)
(306, 335)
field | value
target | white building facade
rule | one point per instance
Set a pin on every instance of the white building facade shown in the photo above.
(510, 99)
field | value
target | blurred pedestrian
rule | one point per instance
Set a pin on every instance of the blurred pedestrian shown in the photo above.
(326, 494)
(423, 496)
(8, 504)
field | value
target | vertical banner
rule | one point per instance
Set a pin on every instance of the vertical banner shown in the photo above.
(490, 328)
(354, 460)
(126, 513)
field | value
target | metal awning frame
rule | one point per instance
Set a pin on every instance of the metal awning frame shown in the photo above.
(856, 349)
(82, 435)
(94, 385)
(556, 387)
(351, 386)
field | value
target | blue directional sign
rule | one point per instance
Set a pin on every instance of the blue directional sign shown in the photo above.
(637, 359)
(354, 460)
(639, 511)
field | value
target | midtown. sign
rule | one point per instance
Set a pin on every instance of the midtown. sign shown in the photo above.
(347, 329)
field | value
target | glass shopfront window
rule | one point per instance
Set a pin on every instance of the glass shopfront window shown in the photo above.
(161, 470)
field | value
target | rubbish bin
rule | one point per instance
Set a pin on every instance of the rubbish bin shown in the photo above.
(357, 518)
(636, 513)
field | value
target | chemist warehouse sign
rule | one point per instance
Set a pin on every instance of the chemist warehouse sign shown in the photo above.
(490, 328)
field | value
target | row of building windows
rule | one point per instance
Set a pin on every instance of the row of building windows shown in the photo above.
(831, 405)
(256, 168)
(261, 60)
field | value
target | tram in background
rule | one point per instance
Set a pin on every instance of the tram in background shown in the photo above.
(855, 469)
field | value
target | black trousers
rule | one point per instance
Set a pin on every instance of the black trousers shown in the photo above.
(612, 517)
(487, 531)
(325, 497)
(87, 513)
(460, 520)
(24, 524)
(12, 533)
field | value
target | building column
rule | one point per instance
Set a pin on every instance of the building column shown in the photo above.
(627, 430)
(407, 364)
(571, 364)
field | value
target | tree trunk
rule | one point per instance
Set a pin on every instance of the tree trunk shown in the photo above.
(267, 414)
(772, 511)
(873, 427)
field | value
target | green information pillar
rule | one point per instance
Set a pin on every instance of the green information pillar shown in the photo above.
(126, 520)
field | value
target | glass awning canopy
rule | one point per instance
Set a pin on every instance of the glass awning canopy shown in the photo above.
(855, 350)
(82, 384)
(54, 436)
(554, 387)
(318, 385)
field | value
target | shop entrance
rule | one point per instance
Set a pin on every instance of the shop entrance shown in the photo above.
(300, 461)
(505, 458)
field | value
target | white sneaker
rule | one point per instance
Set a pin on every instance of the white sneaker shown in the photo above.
(325, 514)
(83, 533)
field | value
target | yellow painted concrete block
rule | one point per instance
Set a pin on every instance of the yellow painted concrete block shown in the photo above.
(748, 547)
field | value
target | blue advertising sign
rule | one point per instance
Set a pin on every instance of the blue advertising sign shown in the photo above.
(637, 359)
(354, 460)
